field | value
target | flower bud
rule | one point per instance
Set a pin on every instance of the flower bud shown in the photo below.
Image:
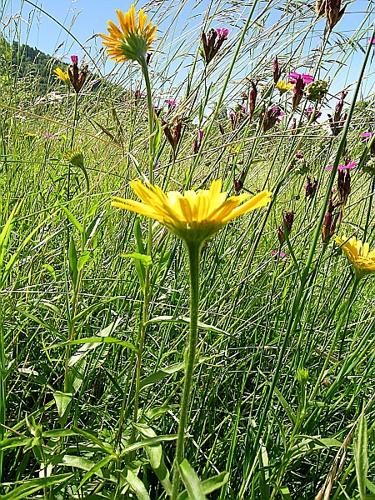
(284, 230)
(311, 188)
(333, 12)
(329, 222)
(276, 71)
(77, 76)
(212, 42)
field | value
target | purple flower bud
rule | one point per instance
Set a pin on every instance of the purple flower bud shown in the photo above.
(74, 59)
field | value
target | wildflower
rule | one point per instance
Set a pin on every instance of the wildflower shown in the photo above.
(359, 255)
(278, 254)
(343, 191)
(348, 165)
(271, 117)
(233, 117)
(366, 136)
(238, 183)
(252, 98)
(193, 216)
(198, 141)
(329, 222)
(48, 136)
(320, 6)
(138, 96)
(311, 188)
(284, 230)
(306, 78)
(312, 114)
(129, 41)
(77, 77)
(302, 376)
(62, 75)
(337, 122)
(284, 86)
(333, 12)
(293, 126)
(172, 103)
(276, 71)
(316, 90)
(300, 155)
(173, 134)
(212, 43)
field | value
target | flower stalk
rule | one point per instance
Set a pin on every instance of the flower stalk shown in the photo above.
(194, 250)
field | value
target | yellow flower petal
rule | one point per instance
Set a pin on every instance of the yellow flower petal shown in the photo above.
(193, 216)
(359, 254)
(131, 39)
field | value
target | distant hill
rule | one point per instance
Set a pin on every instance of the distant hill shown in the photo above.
(23, 61)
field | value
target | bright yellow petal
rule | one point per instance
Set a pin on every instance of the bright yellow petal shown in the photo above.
(260, 200)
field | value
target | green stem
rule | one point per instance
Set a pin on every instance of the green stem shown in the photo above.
(194, 250)
(3, 367)
(146, 289)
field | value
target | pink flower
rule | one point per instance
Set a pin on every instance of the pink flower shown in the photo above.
(74, 59)
(222, 33)
(349, 165)
(278, 254)
(372, 40)
(366, 136)
(306, 79)
(172, 103)
(310, 110)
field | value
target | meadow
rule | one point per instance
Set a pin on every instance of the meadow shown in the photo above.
(194, 344)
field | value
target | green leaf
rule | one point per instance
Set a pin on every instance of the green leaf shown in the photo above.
(84, 257)
(160, 374)
(73, 220)
(148, 442)
(63, 400)
(136, 485)
(191, 481)
(164, 372)
(138, 237)
(15, 442)
(96, 469)
(209, 485)
(145, 259)
(360, 456)
(72, 258)
(94, 439)
(33, 485)
(186, 320)
(84, 464)
(156, 457)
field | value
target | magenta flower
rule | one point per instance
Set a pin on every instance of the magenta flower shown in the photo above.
(348, 165)
(310, 110)
(372, 40)
(222, 33)
(74, 59)
(48, 135)
(172, 103)
(278, 254)
(306, 79)
(366, 136)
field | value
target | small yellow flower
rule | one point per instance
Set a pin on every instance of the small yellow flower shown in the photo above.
(62, 75)
(284, 86)
(358, 254)
(129, 40)
(193, 216)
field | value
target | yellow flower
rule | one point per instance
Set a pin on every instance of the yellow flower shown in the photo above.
(358, 254)
(62, 75)
(193, 216)
(284, 86)
(129, 40)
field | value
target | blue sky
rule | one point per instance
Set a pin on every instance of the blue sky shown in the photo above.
(85, 18)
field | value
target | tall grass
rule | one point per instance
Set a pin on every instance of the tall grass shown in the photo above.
(283, 389)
